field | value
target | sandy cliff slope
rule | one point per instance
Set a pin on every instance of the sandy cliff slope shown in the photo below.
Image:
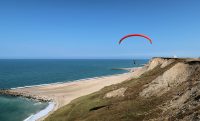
(165, 89)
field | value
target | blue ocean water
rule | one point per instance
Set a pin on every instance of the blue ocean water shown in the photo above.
(19, 73)
(17, 108)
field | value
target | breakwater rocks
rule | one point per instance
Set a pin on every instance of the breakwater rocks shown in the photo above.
(18, 94)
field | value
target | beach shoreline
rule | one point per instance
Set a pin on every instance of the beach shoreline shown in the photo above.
(41, 113)
(38, 85)
(62, 93)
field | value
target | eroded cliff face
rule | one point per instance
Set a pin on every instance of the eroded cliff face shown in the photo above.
(164, 89)
(171, 78)
(182, 80)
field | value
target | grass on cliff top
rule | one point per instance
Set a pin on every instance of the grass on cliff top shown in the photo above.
(131, 107)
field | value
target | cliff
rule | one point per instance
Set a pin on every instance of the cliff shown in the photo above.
(164, 89)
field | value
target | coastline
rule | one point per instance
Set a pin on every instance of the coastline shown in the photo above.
(40, 85)
(62, 93)
(41, 113)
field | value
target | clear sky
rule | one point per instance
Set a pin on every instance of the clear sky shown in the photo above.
(92, 28)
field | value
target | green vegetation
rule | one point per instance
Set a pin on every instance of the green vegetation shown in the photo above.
(131, 107)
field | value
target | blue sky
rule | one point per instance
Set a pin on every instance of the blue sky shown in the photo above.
(92, 28)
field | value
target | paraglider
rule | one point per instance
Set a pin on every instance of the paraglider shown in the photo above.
(131, 35)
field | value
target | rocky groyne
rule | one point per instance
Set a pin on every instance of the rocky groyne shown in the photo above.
(19, 94)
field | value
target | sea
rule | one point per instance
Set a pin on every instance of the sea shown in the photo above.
(16, 73)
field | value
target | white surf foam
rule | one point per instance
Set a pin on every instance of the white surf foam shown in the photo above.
(41, 113)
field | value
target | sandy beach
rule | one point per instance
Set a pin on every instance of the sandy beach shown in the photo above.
(62, 93)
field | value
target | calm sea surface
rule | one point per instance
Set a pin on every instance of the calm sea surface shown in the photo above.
(19, 73)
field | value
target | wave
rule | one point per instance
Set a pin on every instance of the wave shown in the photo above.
(37, 103)
(41, 113)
